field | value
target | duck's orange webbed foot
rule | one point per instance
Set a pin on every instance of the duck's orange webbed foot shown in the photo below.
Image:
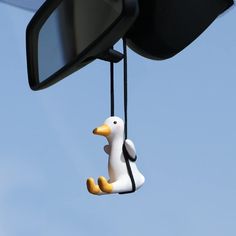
(104, 185)
(92, 187)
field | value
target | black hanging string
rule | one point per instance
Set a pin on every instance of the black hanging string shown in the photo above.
(125, 152)
(125, 87)
(112, 89)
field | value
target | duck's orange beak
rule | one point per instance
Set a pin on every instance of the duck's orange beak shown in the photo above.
(103, 130)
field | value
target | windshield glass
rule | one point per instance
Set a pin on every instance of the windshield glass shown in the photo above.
(181, 118)
(27, 4)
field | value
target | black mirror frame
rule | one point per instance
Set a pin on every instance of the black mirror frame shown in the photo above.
(106, 40)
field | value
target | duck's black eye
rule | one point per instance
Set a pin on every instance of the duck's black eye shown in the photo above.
(115, 122)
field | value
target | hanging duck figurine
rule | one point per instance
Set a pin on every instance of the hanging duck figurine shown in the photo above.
(123, 172)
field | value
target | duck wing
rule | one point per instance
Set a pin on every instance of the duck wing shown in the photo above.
(130, 149)
(107, 149)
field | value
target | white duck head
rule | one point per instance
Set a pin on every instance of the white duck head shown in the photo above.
(113, 128)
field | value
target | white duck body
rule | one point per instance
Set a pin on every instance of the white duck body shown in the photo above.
(113, 130)
(118, 170)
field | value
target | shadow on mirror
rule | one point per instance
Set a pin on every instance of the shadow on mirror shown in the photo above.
(71, 28)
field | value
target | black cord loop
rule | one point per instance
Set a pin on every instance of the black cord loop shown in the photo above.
(125, 152)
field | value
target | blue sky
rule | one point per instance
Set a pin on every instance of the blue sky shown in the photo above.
(181, 117)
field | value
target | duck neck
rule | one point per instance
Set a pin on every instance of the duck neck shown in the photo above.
(116, 141)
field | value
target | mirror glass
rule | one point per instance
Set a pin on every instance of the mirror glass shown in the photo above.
(70, 29)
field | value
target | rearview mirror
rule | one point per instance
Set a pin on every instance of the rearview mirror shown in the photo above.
(66, 35)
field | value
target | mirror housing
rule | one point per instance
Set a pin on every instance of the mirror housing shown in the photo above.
(164, 28)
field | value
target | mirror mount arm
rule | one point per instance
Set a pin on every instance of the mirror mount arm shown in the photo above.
(111, 55)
